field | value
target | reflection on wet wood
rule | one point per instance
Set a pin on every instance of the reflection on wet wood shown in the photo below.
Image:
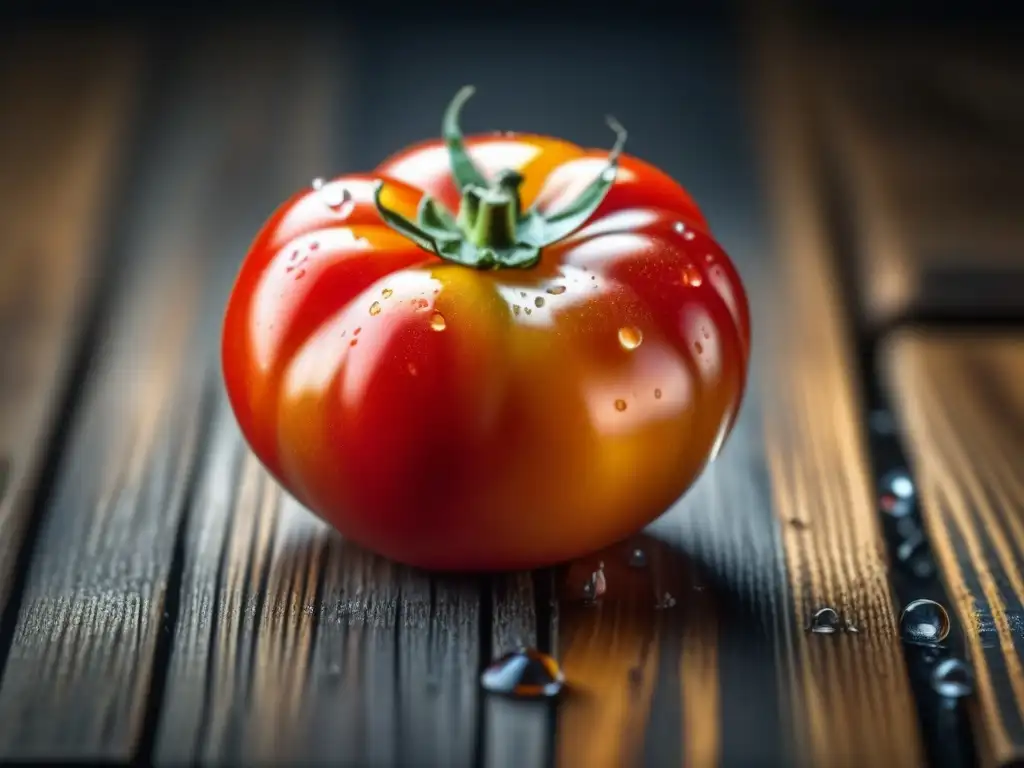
(64, 113)
(960, 400)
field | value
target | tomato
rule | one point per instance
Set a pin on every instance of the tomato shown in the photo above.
(497, 352)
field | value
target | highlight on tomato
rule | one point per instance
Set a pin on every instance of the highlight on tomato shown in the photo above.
(492, 352)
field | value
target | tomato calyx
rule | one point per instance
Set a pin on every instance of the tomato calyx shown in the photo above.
(491, 230)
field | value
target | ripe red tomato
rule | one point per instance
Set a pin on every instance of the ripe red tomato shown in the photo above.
(524, 383)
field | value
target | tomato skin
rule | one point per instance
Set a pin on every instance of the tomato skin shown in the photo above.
(461, 419)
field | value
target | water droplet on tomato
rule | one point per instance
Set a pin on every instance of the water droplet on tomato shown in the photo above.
(688, 235)
(679, 227)
(608, 174)
(386, 293)
(353, 342)
(657, 394)
(300, 274)
(691, 276)
(709, 258)
(528, 310)
(699, 347)
(375, 308)
(539, 301)
(638, 558)
(522, 294)
(516, 309)
(556, 290)
(620, 405)
(314, 246)
(420, 304)
(526, 673)
(413, 370)
(357, 330)
(318, 183)
(705, 332)
(437, 321)
(339, 200)
(630, 337)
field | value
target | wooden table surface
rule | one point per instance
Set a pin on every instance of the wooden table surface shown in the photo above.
(164, 601)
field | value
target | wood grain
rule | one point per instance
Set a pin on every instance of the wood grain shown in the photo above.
(99, 596)
(293, 645)
(849, 692)
(66, 102)
(516, 733)
(959, 400)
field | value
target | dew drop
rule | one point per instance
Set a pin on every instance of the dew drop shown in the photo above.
(526, 673)
(357, 330)
(339, 200)
(666, 601)
(300, 274)
(657, 394)
(825, 621)
(596, 586)
(691, 276)
(630, 337)
(413, 370)
(386, 293)
(620, 405)
(437, 321)
(556, 290)
(318, 183)
(896, 494)
(353, 342)
(375, 308)
(705, 332)
(952, 679)
(709, 258)
(516, 309)
(420, 304)
(688, 235)
(314, 246)
(527, 310)
(608, 174)
(699, 347)
(522, 294)
(924, 622)
(638, 558)
(539, 302)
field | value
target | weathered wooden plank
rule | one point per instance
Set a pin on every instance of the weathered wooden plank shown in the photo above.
(516, 733)
(782, 524)
(66, 103)
(86, 665)
(958, 396)
(294, 645)
(849, 691)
